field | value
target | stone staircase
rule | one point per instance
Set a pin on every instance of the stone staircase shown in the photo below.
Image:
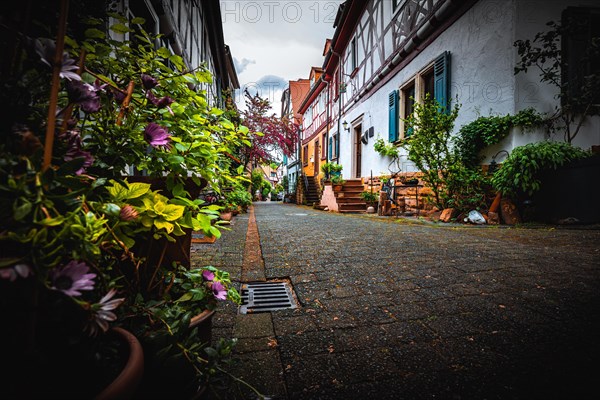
(348, 199)
(312, 191)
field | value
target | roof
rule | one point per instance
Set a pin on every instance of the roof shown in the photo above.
(346, 20)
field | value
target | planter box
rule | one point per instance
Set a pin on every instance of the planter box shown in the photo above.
(570, 193)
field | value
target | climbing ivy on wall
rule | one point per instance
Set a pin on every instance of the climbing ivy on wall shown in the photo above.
(486, 131)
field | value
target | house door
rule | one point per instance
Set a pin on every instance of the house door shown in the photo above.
(317, 157)
(357, 151)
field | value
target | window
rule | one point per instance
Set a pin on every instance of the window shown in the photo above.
(334, 146)
(428, 79)
(321, 103)
(324, 147)
(336, 85)
(580, 61)
(353, 55)
(430, 83)
(305, 155)
(308, 118)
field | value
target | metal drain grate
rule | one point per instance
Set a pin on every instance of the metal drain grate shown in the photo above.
(266, 296)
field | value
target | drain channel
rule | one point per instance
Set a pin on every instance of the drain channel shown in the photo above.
(266, 296)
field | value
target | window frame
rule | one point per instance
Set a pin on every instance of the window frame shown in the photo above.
(305, 155)
(417, 81)
(353, 55)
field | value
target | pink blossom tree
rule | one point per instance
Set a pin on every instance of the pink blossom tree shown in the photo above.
(269, 134)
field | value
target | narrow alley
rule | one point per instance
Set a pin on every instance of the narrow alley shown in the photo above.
(394, 310)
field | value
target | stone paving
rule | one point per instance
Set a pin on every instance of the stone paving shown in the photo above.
(398, 310)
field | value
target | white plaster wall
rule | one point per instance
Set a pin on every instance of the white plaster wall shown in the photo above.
(481, 77)
(482, 80)
(531, 18)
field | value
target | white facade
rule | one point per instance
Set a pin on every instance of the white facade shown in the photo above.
(481, 78)
(192, 30)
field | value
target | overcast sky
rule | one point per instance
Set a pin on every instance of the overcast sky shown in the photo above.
(273, 42)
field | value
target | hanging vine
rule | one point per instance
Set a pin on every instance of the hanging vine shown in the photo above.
(486, 131)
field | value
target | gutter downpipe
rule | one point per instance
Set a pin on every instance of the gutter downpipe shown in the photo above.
(327, 117)
(339, 121)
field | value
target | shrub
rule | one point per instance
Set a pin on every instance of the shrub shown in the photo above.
(520, 171)
(238, 198)
(429, 147)
(486, 131)
(369, 197)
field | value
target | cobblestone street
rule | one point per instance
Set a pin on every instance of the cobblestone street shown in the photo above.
(393, 309)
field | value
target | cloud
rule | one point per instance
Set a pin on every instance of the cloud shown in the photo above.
(240, 66)
(267, 86)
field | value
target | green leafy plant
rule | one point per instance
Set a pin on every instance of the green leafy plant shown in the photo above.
(430, 147)
(259, 183)
(388, 150)
(385, 149)
(519, 173)
(238, 198)
(330, 169)
(577, 92)
(77, 233)
(486, 131)
(369, 197)
(337, 180)
(470, 188)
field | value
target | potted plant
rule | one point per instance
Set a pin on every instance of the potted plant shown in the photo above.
(337, 182)
(240, 198)
(83, 246)
(370, 198)
(522, 175)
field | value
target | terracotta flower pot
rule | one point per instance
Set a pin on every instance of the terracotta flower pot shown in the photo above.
(125, 385)
(203, 323)
(226, 216)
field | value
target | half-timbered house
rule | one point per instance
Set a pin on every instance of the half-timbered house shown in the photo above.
(315, 124)
(291, 99)
(388, 54)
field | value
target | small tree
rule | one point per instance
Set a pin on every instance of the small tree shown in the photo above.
(429, 146)
(575, 75)
(269, 134)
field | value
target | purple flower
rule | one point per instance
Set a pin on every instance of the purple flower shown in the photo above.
(208, 275)
(75, 149)
(219, 290)
(99, 86)
(119, 95)
(103, 312)
(72, 278)
(160, 103)
(18, 270)
(156, 135)
(164, 102)
(46, 48)
(85, 95)
(149, 82)
(73, 153)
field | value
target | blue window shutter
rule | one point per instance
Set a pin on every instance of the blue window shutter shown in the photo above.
(285, 160)
(441, 71)
(393, 116)
(330, 147)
